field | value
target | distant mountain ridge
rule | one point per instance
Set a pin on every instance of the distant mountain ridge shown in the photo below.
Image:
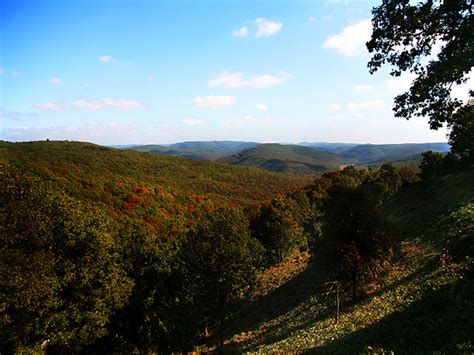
(297, 158)
(371, 152)
(213, 150)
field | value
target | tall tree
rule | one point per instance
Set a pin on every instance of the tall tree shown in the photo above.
(221, 261)
(277, 229)
(61, 275)
(404, 35)
(461, 137)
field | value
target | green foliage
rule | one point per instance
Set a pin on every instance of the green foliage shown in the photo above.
(359, 240)
(424, 303)
(278, 231)
(461, 137)
(404, 35)
(61, 273)
(160, 298)
(382, 184)
(221, 260)
(431, 165)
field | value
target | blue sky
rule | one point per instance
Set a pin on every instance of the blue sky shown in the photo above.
(123, 72)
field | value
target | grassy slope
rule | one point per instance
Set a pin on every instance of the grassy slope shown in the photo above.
(424, 304)
(287, 158)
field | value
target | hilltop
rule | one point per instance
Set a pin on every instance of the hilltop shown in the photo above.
(287, 158)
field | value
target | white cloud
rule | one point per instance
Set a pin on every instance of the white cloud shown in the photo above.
(266, 28)
(56, 80)
(363, 88)
(108, 133)
(367, 105)
(190, 121)
(48, 106)
(335, 107)
(261, 107)
(105, 58)
(337, 118)
(16, 115)
(213, 101)
(399, 84)
(3, 70)
(351, 40)
(241, 32)
(96, 105)
(249, 118)
(235, 80)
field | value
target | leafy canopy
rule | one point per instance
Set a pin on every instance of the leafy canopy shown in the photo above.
(61, 274)
(404, 35)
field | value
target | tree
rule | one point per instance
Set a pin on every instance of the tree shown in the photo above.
(381, 184)
(61, 275)
(358, 239)
(461, 137)
(221, 260)
(431, 165)
(152, 321)
(278, 231)
(404, 35)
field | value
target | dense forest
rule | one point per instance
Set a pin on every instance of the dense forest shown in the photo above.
(107, 250)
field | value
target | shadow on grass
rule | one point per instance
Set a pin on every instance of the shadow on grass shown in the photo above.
(269, 307)
(438, 322)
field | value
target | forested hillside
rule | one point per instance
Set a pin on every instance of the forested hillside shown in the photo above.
(287, 158)
(365, 153)
(143, 186)
(297, 158)
(213, 150)
(109, 250)
(160, 149)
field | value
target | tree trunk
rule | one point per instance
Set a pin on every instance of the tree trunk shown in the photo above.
(220, 311)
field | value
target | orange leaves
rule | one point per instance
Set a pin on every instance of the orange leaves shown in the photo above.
(126, 207)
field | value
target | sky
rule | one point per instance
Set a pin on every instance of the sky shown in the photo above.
(142, 72)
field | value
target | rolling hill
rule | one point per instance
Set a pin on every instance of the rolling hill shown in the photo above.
(151, 187)
(213, 150)
(274, 157)
(287, 158)
(365, 153)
